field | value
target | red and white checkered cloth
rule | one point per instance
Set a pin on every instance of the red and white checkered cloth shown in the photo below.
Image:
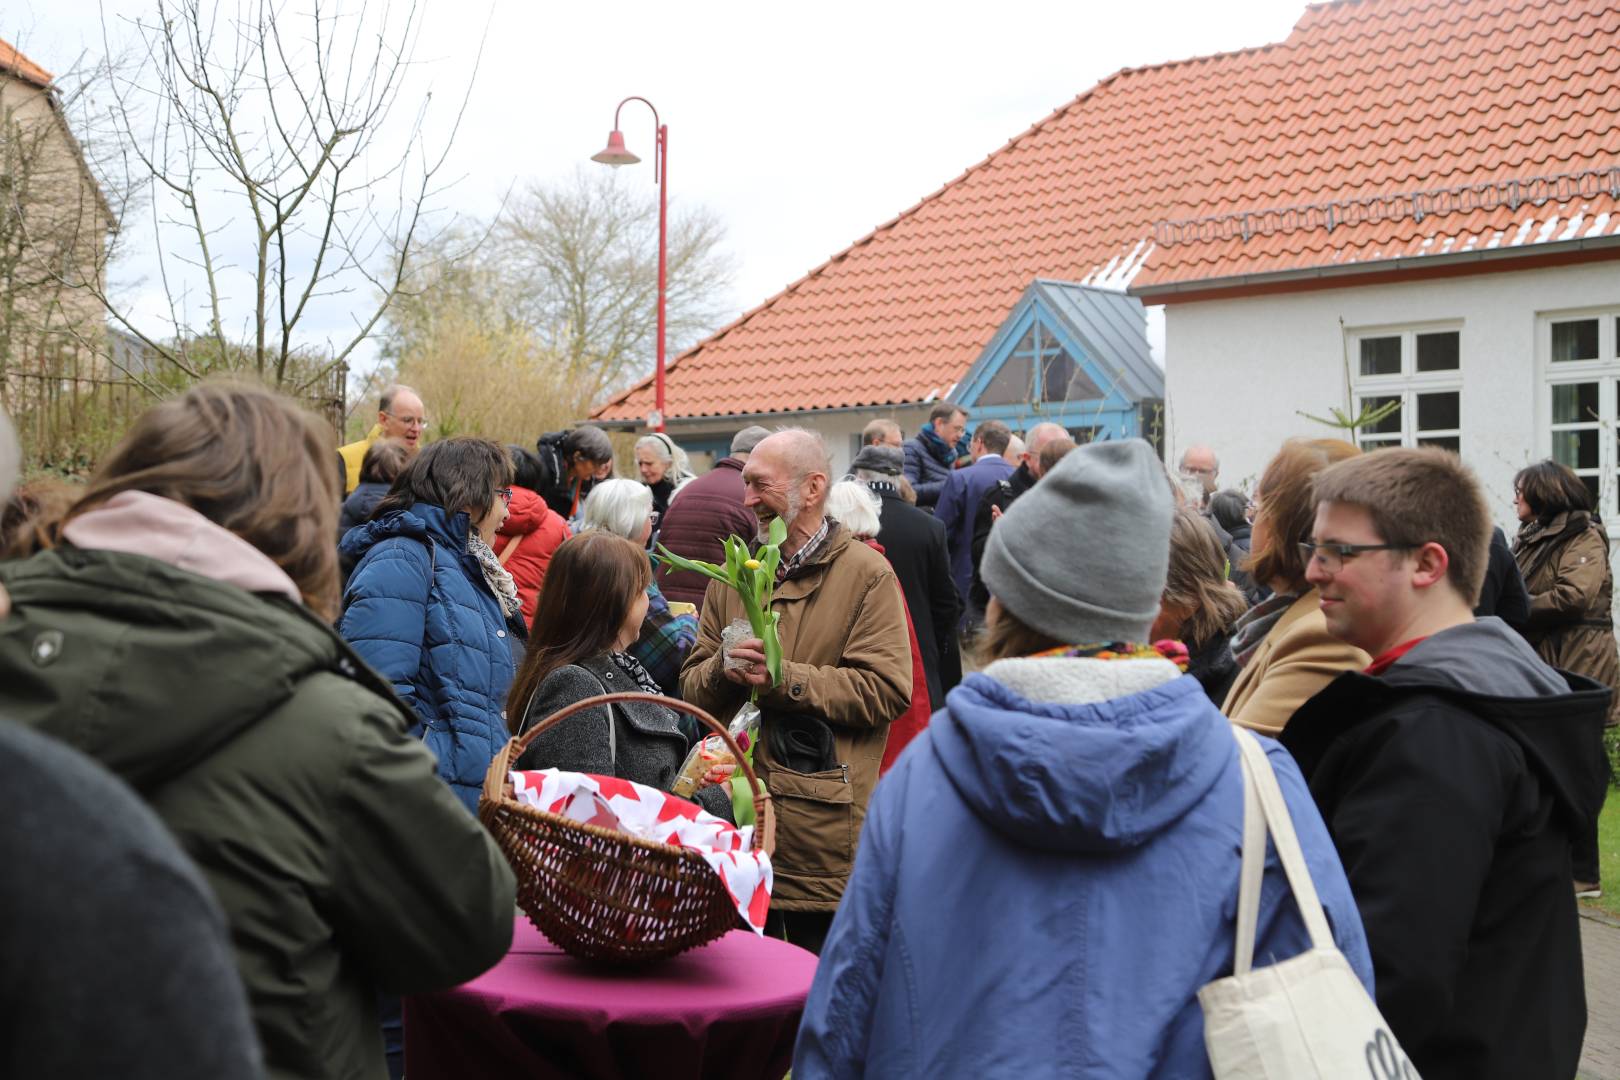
(662, 818)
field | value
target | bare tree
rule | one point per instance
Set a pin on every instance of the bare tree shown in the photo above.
(583, 255)
(268, 140)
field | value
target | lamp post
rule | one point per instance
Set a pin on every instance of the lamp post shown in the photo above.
(616, 154)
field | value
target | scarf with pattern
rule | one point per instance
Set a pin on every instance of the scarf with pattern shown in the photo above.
(1173, 651)
(495, 576)
(1253, 625)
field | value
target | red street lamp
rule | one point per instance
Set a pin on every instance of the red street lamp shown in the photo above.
(616, 154)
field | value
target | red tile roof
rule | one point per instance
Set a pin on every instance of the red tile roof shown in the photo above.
(1378, 107)
(15, 63)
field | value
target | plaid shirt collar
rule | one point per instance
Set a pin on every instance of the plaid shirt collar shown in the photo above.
(811, 546)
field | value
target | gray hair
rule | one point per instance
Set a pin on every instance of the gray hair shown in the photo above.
(853, 505)
(618, 506)
(386, 402)
(664, 446)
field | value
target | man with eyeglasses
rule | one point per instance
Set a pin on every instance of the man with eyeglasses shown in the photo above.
(400, 415)
(1452, 773)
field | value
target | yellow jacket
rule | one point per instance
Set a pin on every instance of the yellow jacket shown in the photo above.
(353, 455)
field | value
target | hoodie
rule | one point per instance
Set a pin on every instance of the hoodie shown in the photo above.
(176, 655)
(1452, 785)
(1047, 877)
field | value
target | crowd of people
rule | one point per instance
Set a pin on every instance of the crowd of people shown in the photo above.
(1001, 748)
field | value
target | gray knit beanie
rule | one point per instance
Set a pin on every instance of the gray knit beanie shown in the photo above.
(1082, 555)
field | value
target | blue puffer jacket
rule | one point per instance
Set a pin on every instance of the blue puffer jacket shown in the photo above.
(418, 610)
(1041, 888)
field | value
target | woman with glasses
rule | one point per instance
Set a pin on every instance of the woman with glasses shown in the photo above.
(1282, 645)
(431, 608)
(1563, 552)
(624, 508)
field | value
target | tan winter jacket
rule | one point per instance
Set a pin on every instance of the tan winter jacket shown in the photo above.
(1566, 570)
(847, 660)
(1297, 658)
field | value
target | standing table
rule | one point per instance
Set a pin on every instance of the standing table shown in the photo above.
(729, 1009)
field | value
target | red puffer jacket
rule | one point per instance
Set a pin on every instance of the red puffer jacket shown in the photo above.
(537, 530)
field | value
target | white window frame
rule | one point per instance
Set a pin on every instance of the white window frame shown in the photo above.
(1407, 385)
(1605, 371)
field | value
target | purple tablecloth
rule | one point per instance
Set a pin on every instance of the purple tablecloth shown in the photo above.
(729, 1009)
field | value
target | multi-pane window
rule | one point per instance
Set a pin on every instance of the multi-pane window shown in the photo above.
(1061, 378)
(1583, 380)
(1415, 374)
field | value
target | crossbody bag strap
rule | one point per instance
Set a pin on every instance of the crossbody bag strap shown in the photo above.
(1281, 827)
(511, 547)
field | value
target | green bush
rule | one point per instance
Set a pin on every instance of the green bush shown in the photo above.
(1611, 746)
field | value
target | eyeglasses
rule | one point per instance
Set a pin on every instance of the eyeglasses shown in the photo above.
(505, 494)
(1331, 557)
(418, 422)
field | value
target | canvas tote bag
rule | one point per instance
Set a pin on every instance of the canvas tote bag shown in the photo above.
(1306, 1017)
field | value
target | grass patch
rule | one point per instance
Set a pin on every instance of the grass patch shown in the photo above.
(1609, 855)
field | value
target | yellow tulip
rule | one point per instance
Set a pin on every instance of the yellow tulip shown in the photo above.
(752, 564)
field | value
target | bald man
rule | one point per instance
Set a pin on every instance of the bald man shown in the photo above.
(400, 415)
(1001, 496)
(846, 673)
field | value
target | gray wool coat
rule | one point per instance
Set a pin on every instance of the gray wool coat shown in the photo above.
(646, 747)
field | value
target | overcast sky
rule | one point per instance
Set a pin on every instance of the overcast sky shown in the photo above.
(803, 126)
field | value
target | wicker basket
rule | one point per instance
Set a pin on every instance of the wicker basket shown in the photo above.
(601, 894)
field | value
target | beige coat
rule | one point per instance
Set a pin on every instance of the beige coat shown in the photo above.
(846, 659)
(1566, 571)
(1295, 660)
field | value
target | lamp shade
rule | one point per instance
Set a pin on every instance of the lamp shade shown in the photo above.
(615, 154)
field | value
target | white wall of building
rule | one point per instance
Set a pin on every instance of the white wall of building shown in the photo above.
(841, 430)
(1238, 372)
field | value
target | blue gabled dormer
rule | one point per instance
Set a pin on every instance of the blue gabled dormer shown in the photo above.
(1072, 354)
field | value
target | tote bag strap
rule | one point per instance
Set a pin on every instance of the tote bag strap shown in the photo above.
(1252, 874)
(1259, 778)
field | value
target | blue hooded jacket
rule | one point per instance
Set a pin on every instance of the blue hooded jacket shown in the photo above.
(418, 610)
(1041, 889)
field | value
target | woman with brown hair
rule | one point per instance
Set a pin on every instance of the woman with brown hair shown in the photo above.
(1282, 646)
(590, 613)
(179, 633)
(1199, 603)
(1563, 552)
(431, 607)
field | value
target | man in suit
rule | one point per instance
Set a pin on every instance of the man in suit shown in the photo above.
(915, 545)
(1001, 496)
(959, 501)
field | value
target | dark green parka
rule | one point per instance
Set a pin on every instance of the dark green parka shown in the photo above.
(344, 865)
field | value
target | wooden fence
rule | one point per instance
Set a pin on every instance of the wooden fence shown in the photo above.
(69, 410)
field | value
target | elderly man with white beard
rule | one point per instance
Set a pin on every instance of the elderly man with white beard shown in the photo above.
(846, 673)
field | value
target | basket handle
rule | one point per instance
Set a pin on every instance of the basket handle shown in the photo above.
(495, 778)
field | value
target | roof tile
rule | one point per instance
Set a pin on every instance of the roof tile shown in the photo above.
(1365, 98)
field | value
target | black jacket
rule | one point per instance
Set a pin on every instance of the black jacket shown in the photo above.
(914, 543)
(1001, 496)
(646, 747)
(1503, 593)
(1452, 785)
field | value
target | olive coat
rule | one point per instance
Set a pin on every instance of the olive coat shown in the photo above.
(1565, 563)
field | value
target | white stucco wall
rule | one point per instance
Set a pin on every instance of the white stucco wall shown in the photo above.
(841, 430)
(1237, 370)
